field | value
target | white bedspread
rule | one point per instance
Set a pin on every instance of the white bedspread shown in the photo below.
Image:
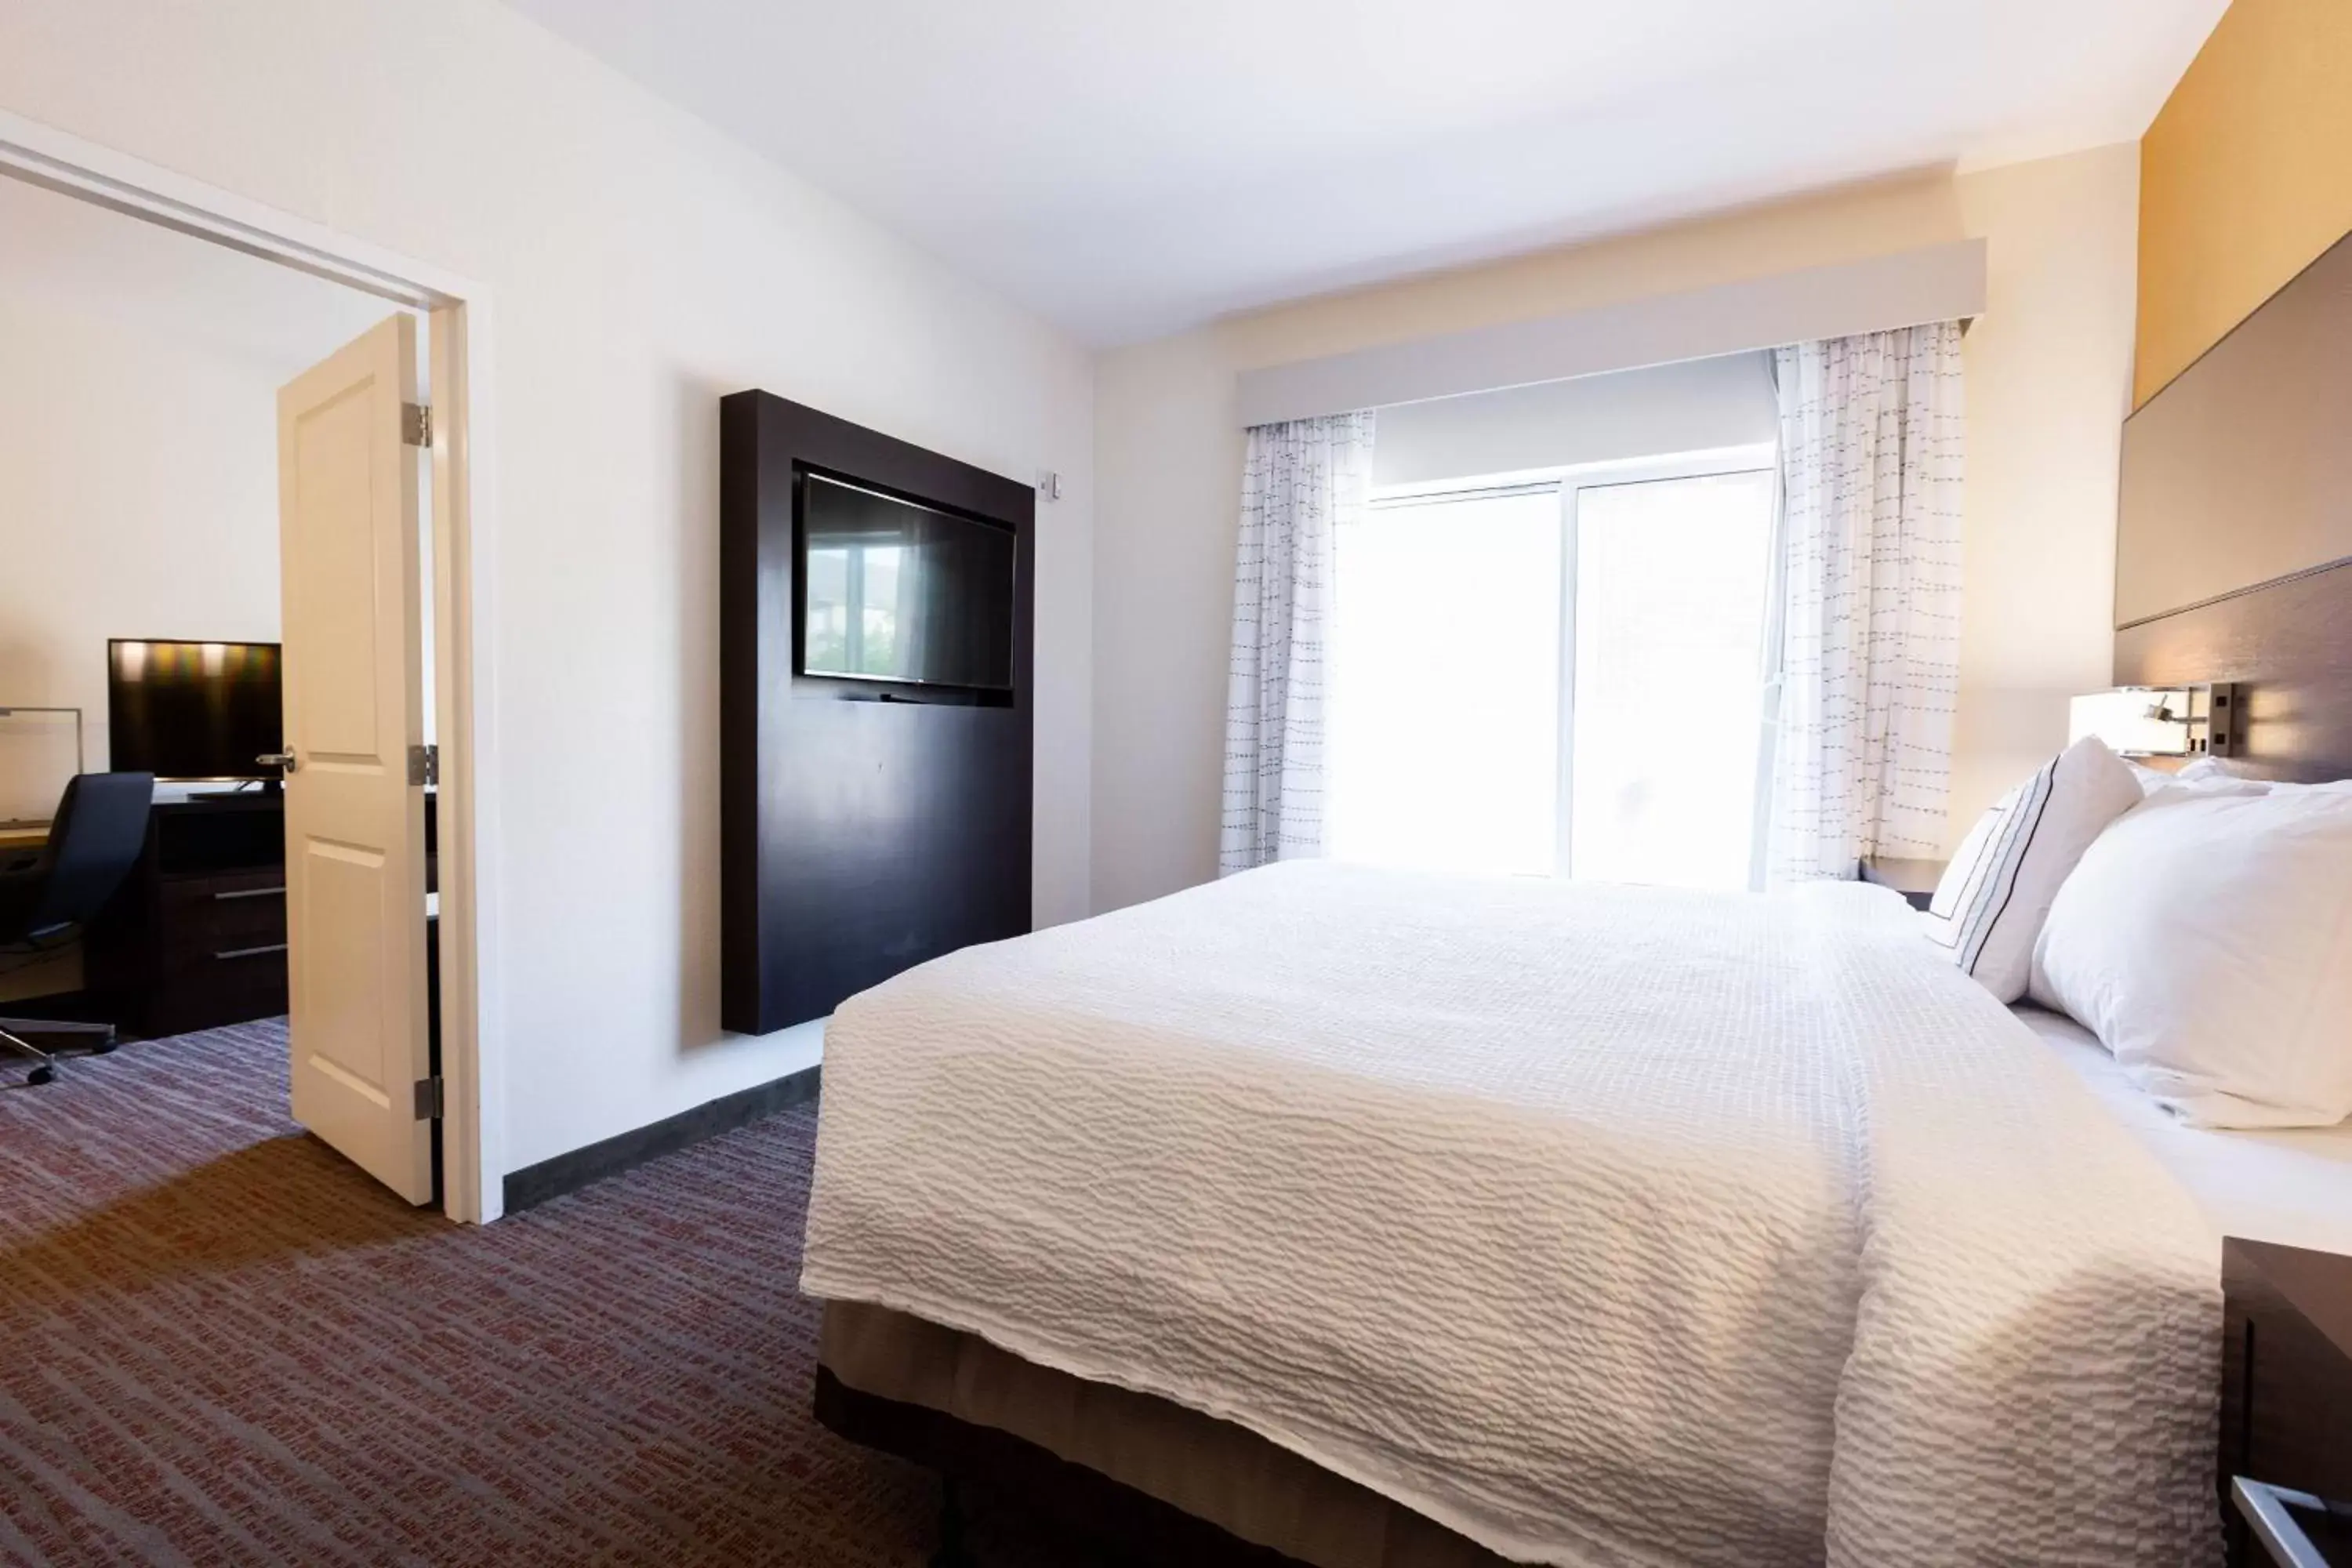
(1604, 1226)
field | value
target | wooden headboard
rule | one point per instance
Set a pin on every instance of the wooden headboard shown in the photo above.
(2233, 543)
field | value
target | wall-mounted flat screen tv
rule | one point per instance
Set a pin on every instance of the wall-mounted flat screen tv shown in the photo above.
(891, 590)
(193, 710)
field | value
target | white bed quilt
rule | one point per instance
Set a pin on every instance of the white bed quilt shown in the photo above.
(1603, 1225)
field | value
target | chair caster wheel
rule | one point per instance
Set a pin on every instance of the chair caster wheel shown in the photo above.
(41, 1075)
(104, 1047)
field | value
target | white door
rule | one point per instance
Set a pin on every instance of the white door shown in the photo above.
(354, 823)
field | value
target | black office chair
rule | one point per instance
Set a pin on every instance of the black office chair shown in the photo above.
(47, 898)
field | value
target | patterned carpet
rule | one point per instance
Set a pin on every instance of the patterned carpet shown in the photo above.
(223, 1344)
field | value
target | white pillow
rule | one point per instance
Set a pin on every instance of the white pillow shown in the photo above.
(2207, 940)
(2211, 770)
(2203, 773)
(1989, 905)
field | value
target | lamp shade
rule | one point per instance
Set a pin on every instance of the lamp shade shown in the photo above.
(2134, 721)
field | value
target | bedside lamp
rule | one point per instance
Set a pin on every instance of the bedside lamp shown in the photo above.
(2158, 721)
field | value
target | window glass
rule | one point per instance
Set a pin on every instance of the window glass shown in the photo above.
(1671, 583)
(1475, 636)
(1445, 701)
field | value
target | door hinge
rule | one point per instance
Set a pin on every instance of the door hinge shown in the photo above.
(428, 1098)
(416, 425)
(425, 764)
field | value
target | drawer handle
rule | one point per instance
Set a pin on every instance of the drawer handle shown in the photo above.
(250, 951)
(249, 893)
(2265, 1509)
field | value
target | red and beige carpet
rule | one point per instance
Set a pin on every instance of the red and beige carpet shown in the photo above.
(223, 1344)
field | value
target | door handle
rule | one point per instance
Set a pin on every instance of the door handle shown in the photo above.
(285, 760)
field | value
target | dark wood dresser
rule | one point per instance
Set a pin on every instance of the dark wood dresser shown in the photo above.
(198, 936)
(2286, 1405)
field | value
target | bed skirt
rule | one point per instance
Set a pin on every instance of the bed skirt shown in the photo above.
(1167, 1483)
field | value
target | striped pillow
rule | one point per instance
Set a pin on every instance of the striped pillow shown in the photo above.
(1997, 891)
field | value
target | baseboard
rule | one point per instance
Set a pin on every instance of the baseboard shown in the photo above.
(534, 1184)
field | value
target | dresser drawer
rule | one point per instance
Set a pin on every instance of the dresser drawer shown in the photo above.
(219, 950)
(2296, 1410)
(2287, 1385)
(204, 917)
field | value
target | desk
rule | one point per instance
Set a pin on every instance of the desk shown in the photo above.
(24, 836)
(196, 937)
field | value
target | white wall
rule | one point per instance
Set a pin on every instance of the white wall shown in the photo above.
(138, 376)
(1697, 405)
(2044, 364)
(2049, 384)
(1168, 461)
(641, 265)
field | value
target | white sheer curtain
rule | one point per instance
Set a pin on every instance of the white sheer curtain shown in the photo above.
(1302, 477)
(1871, 458)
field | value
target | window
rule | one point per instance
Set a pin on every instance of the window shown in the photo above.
(1445, 691)
(1555, 675)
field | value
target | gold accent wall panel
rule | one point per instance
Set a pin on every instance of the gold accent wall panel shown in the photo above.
(2245, 176)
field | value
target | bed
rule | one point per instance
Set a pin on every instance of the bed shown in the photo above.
(1381, 1221)
(1377, 1219)
(2291, 1185)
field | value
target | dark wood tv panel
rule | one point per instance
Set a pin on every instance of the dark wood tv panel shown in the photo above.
(865, 826)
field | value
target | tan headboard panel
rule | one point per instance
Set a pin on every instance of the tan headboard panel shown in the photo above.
(2240, 472)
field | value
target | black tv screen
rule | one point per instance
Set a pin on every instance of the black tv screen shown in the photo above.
(193, 709)
(894, 591)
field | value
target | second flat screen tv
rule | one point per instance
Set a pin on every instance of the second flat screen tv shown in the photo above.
(895, 591)
(193, 710)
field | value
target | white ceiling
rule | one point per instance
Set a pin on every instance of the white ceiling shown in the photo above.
(1127, 168)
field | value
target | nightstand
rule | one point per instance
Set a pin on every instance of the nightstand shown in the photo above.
(1914, 879)
(2286, 1405)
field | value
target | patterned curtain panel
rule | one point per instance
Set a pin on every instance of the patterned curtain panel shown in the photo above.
(1871, 449)
(1302, 479)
